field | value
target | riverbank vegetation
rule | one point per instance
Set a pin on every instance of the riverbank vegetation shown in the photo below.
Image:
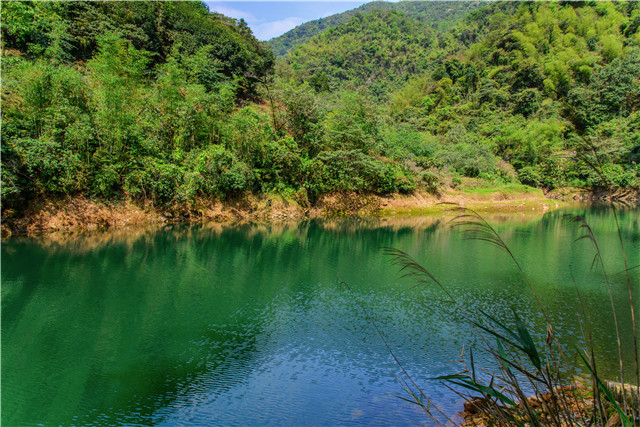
(166, 104)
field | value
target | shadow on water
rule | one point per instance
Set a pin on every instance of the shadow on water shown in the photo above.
(214, 324)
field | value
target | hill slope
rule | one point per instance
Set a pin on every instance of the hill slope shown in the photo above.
(378, 50)
(438, 14)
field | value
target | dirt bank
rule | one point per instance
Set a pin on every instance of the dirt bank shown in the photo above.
(486, 200)
(83, 214)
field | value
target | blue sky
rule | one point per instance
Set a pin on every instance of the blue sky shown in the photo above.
(269, 19)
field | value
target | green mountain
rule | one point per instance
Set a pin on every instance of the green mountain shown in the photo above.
(379, 50)
(437, 14)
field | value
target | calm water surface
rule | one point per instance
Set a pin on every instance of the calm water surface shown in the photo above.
(249, 325)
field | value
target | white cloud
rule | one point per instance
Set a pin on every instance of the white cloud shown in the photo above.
(268, 30)
(231, 12)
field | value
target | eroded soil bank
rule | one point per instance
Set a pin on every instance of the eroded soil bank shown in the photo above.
(84, 214)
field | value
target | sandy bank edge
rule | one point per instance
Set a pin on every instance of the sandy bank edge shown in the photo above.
(84, 214)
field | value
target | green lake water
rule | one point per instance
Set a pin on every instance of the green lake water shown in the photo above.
(250, 325)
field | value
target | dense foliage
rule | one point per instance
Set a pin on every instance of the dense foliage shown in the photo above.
(553, 89)
(167, 103)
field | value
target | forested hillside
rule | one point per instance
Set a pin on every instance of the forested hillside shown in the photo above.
(553, 89)
(165, 103)
(437, 14)
(537, 93)
(124, 98)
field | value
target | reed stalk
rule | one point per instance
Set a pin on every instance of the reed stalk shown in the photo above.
(520, 368)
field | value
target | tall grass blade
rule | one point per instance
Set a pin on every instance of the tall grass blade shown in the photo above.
(527, 341)
(583, 225)
(469, 383)
(626, 422)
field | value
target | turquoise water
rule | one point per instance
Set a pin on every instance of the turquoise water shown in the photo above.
(250, 324)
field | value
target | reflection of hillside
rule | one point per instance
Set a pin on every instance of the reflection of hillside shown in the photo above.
(111, 328)
(81, 242)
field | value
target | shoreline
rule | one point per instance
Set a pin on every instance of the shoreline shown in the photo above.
(81, 214)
